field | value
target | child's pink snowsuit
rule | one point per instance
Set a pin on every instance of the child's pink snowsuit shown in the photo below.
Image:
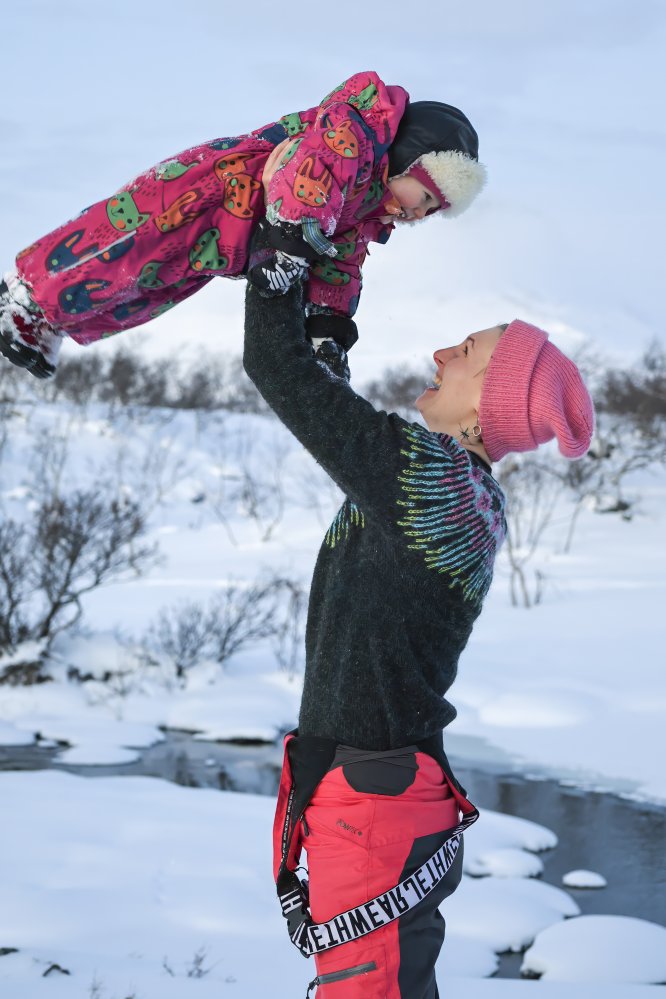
(127, 259)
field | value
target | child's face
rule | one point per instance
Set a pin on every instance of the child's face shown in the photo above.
(454, 399)
(414, 197)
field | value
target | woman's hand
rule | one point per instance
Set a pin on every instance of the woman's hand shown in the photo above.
(272, 164)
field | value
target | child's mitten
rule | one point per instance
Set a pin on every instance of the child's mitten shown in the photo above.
(279, 257)
(277, 273)
(332, 336)
(334, 357)
(322, 325)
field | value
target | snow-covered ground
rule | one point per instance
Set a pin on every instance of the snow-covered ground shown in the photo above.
(113, 879)
(133, 887)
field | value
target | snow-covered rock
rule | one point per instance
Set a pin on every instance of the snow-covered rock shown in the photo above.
(506, 914)
(600, 949)
(584, 879)
(504, 863)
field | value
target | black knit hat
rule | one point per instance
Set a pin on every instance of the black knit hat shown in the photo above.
(430, 127)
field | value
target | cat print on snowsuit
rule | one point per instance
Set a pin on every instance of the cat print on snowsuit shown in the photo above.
(205, 254)
(342, 140)
(239, 186)
(123, 212)
(78, 298)
(163, 236)
(67, 252)
(311, 190)
(178, 213)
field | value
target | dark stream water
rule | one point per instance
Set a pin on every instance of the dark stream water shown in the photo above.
(622, 839)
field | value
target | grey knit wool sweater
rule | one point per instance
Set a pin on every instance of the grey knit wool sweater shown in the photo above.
(406, 563)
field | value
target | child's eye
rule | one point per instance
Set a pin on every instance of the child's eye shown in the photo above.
(465, 350)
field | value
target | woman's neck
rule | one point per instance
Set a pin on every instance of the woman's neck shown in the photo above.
(477, 449)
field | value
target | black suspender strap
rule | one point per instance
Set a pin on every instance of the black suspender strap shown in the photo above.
(313, 938)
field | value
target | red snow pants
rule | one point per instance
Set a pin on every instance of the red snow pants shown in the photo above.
(374, 820)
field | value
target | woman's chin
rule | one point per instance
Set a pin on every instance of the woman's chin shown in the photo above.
(423, 398)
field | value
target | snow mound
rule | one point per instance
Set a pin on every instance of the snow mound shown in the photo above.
(600, 949)
(506, 914)
(10, 736)
(584, 879)
(464, 958)
(495, 830)
(506, 863)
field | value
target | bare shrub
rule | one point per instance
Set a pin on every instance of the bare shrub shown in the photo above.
(532, 489)
(78, 379)
(15, 383)
(197, 968)
(199, 386)
(287, 641)
(241, 395)
(81, 542)
(15, 588)
(67, 547)
(254, 480)
(398, 387)
(181, 636)
(125, 378)
(236, 618)
(639, 393)
(630, 436)
(241, 616)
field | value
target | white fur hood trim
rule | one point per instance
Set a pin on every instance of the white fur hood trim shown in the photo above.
(457, 176)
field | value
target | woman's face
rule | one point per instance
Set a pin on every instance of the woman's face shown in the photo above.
(453, 401)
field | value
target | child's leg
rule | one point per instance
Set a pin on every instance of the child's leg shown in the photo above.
(26, 339)
(127, 258)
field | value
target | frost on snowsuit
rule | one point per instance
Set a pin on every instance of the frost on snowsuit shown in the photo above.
(162, 237)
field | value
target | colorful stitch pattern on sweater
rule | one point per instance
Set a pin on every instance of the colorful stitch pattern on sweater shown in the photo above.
(348, 516)
(454, 514)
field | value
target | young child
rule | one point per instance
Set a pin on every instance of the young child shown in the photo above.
(362, 159)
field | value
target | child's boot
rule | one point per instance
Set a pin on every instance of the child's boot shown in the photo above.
(26, 339)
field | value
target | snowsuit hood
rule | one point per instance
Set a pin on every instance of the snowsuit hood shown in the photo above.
(431, 127)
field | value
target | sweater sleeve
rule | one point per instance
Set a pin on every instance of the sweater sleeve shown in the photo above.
(335, 284)
(419, 487)
(355, 444)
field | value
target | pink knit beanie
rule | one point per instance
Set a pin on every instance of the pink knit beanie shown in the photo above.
(531, 393)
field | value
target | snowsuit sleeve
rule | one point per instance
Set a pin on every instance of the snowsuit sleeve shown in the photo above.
(314, 184)
(333, 162)
(335, 283)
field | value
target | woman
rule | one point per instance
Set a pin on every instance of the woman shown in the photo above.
(399, 581)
